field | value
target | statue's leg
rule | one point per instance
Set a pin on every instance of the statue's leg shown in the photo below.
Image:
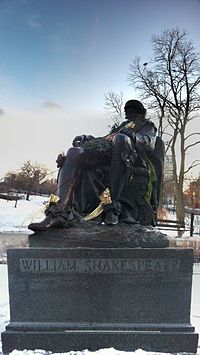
(141, 184)
(57, 214)
(68, 175)
(123, 156)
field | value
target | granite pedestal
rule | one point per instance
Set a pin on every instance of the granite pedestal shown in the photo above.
(78, 298)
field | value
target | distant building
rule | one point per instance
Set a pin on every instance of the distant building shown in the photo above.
(193, 194)
(168, 188)
(168, 168)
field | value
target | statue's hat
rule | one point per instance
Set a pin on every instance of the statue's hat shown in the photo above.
(135, 104)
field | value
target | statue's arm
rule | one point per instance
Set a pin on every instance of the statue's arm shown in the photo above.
(145, 139)
(78, 140)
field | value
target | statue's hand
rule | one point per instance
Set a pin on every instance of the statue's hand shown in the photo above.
(60, 160)
(128, 131)
(78, 140)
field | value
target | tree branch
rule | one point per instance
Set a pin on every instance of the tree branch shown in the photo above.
(192, 134)
(194, 163)
(191, 145)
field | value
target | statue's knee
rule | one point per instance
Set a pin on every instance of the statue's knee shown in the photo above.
(121, 140)
(74, 155)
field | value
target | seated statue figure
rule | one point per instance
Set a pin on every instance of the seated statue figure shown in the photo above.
(127, 164)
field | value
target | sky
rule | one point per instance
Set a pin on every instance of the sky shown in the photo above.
(58, 59)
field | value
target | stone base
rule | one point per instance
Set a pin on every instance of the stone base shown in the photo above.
(78, 298)
(92, 234)
(64, 341)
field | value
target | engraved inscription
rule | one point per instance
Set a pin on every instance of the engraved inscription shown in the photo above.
(134, 266)
(48, 265)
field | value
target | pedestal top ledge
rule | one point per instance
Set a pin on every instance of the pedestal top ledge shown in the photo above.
(96, 235)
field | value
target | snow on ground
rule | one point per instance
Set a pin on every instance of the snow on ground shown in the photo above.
(17, 219)
(110, 351)
(4, 300)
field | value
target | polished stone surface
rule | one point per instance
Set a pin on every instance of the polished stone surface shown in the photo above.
(99, 297)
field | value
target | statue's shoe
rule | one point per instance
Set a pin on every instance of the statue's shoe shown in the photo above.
(111, 218)
(49, 222)
(126, 217)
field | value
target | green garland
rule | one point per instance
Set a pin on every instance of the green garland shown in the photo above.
(97, 145)
(152, 178)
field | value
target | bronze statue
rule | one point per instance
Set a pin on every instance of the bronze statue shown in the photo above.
(126, 164)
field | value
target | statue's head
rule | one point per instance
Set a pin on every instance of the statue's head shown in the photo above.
(134, 110)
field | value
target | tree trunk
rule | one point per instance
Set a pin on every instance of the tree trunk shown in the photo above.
(180, 203)
(27, 196)
(28, 193)
(178, 183)
(160, 202)
(180, 208)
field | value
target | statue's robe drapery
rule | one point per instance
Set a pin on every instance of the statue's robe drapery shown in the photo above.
(140, 195)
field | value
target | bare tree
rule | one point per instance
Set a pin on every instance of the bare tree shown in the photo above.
(16, 181)
(170, 82)
(114, 105)
(31, 174)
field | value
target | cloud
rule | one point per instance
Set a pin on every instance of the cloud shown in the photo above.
(2, 112)
(52, 105)
(59, 42)
(33, 22)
